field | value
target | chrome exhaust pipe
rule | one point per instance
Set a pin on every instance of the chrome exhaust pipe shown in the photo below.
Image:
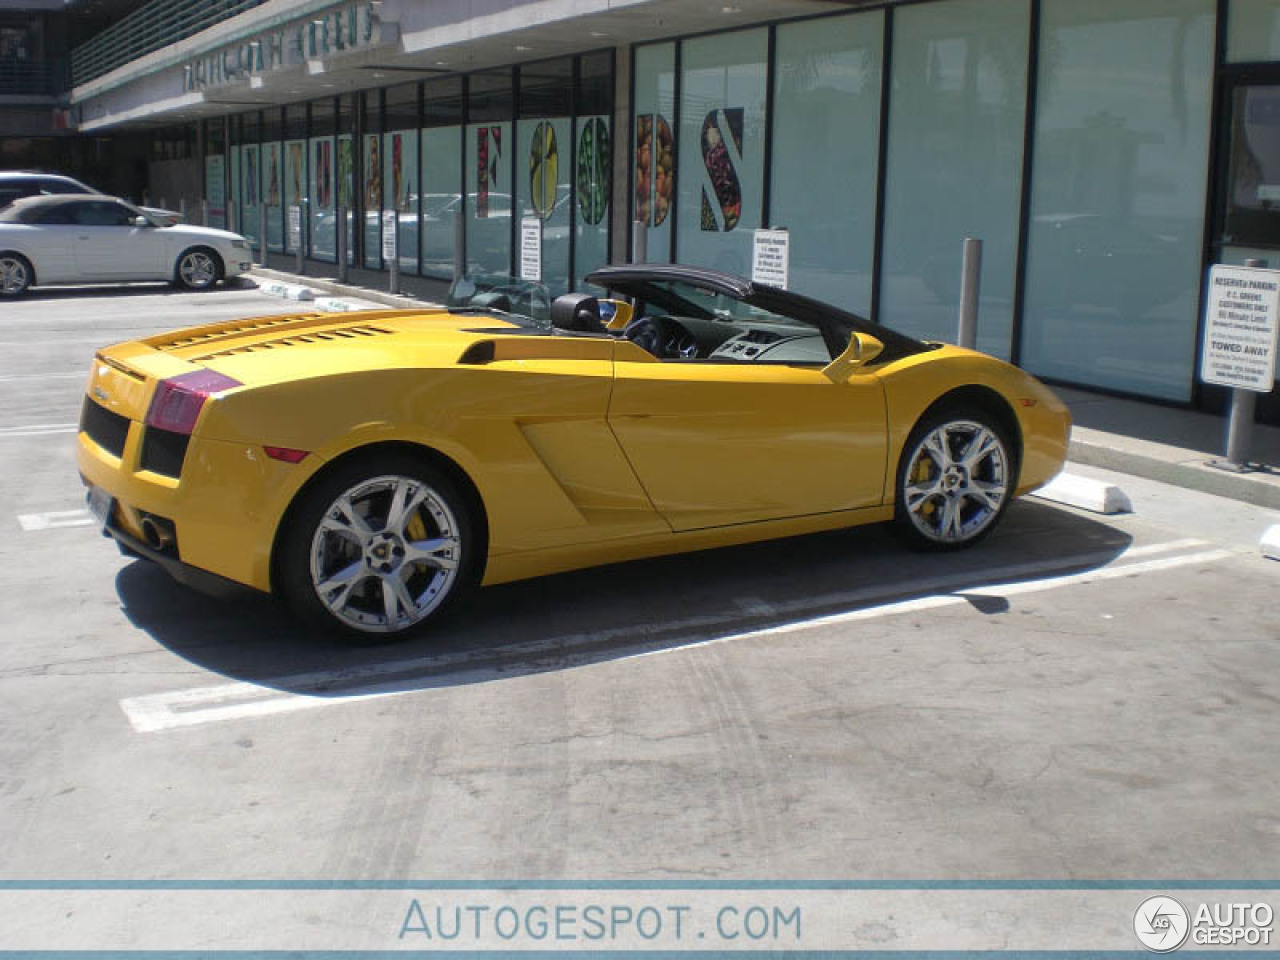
(157, 536)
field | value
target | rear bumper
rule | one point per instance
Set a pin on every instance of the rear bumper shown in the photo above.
(225, 508)
(210, 584)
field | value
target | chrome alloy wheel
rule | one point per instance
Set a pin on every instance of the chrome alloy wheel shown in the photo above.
(14, 276)
(197, 270)
(956, 481)
(386, 554)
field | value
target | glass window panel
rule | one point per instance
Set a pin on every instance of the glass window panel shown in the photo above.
(490, 96)
(954, 165)
(1253, 31)
(592, 192)
(1118, 197)
(1251, 209)
(442, 102)
(653, 172)
(544, 149)
(371, 196)
(233, 201)
(368, 194)
(826, 137)
(546, 89)
(489, 198)
(272, 178)
(441, 198)
(400, 191)
(250, 193)
(346, 181)
(324, 242)
(720, 187)
(295, 185)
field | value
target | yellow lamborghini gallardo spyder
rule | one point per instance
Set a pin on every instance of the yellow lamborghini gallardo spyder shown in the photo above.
(369, 467)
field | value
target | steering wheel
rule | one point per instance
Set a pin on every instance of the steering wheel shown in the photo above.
(664, 337)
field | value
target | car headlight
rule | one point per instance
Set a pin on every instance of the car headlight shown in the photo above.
(240, 244)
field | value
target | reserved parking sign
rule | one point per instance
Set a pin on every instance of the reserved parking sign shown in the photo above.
(1241, 314)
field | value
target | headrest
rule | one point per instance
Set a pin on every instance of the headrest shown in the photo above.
(578, 312)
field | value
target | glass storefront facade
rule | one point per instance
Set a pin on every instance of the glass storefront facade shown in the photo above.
(429, 154)
(1080, 140)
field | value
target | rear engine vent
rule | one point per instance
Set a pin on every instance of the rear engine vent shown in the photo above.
(331, 335)
(107, 429)
(163, 451)
(180, 340)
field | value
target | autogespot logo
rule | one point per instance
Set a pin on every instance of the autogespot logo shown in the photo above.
(1161, 924)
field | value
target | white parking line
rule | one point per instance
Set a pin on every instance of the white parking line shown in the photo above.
(78, 374)
(55, 520)
(38, 429)
(241, 700)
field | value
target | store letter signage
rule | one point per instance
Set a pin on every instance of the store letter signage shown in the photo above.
(343, 28)
(721, 159)
(655, 168)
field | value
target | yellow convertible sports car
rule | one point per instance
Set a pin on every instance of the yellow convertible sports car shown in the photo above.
(368, 467)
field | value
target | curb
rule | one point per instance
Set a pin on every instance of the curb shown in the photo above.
(1085, 493)
(1270, 544)
(1191, 474)
(265, 277)
(290, 291)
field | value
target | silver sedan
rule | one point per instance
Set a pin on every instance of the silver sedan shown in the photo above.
(78, 238)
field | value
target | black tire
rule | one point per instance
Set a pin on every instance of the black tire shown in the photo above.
(16, 274)
(948, 493)
(358, 607)
(198, 268)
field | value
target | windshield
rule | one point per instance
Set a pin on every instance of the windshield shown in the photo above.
(521, 301)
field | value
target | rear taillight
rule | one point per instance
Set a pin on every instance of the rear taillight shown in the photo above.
(178, 401)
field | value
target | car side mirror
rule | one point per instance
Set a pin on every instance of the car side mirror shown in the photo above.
(862, 349)
(141, 222)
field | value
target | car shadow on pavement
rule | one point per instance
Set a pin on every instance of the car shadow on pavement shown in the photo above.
(613, 612)
(142, 288)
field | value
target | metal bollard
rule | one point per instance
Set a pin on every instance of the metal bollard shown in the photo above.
(182, 209)
(639, 242)
(262, 234)
(340, 240)
(204, 213)
(459, 244)
(302, 234)
(970, 287)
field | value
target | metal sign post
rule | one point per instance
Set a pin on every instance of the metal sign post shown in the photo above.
(970, 287)
(391, 248)
(639, 242)
(1242, 320)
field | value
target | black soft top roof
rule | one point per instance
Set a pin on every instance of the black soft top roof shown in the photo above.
(824, 315)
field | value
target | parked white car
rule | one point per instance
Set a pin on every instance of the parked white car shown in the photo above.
(95, 239)
(15, 184)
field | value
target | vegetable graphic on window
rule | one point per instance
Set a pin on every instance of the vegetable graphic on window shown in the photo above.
(721, 156)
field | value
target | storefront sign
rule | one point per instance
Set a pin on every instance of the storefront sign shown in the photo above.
(1241, 315)
(771, 258)
(389, 222)
(531, 249)
(345, 27)
(295, 227)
